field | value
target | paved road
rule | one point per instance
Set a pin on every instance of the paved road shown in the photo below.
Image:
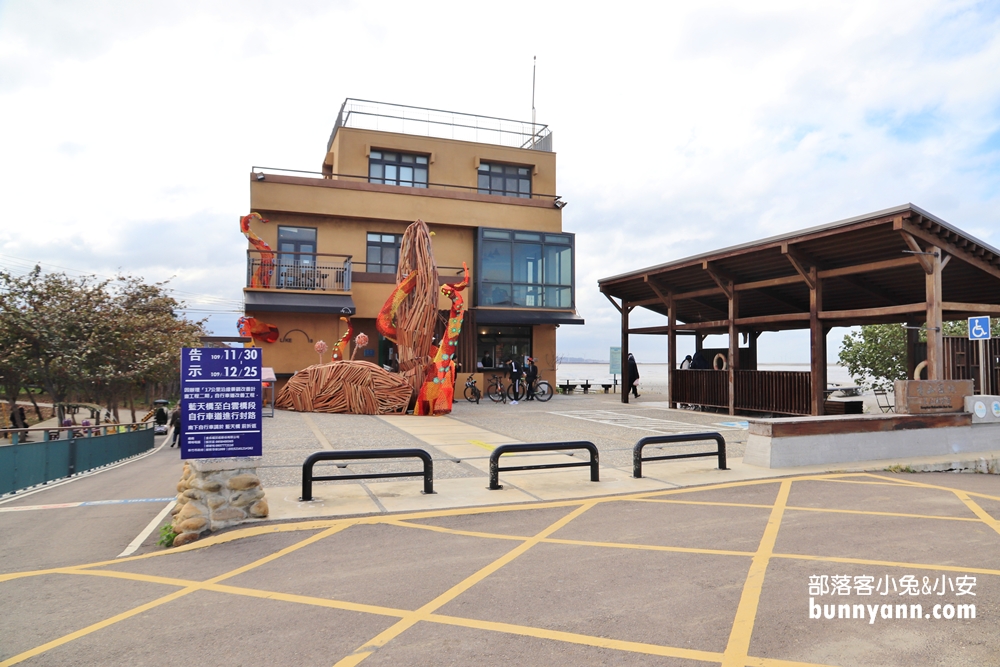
(709, 575)
(54, 537)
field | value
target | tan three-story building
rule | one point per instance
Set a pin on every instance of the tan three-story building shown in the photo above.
(485, 186)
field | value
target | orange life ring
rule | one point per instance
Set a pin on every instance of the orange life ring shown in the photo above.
(715, 364)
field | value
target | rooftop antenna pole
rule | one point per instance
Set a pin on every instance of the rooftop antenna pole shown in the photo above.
(534, 66)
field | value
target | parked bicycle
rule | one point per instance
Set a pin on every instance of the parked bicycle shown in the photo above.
(495, 389)
(518, 391)
(472, 393)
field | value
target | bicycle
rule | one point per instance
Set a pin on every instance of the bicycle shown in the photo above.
(472, 393)
(495, 389)
(543, 391)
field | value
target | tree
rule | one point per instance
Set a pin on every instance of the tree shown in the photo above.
(106, 338)
(875, 356)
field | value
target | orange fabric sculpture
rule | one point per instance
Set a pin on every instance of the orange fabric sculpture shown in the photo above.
(438, 392)
(250, 327)
(340, 350)
(262, 276)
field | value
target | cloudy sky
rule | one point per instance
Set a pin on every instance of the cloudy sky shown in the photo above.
(129, 128)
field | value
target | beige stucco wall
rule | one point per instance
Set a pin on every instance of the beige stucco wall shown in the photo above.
(451, 162)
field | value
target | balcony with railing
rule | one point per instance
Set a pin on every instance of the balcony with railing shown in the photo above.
(312, 271)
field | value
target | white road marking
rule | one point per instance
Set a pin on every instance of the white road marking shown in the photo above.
(141, 537)
(639, 422)
(83, 503)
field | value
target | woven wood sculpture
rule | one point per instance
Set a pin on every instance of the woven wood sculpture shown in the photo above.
(417, 312)
(356, 387)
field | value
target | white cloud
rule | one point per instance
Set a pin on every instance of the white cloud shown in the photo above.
(681, 127)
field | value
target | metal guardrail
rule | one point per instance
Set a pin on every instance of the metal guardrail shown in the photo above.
(307, 468)
(637, 457)
(495, 468)
(28, 464)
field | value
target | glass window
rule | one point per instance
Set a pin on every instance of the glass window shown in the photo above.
(525, 269)
(397, 169)
(494, 345)
(496, 260)
(382, 255)
(296, 249)
(504, 179)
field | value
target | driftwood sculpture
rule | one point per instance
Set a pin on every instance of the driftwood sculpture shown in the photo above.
(357, 387)
(409, 315)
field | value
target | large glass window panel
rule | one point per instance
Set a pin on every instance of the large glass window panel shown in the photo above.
(527, 263)
(495, 294)
(406, 176)
(558, 297)
(382, 254)
(558, 265)
(390, 173)
(375, 171)
(496, 261)
(529, 296)
(374, 255)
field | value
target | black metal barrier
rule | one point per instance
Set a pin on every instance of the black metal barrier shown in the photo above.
(307, 467)
(637, 457)
(543, 447)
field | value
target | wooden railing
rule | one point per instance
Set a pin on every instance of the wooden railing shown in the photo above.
(783, 392)
(710, 388)
(779, 392)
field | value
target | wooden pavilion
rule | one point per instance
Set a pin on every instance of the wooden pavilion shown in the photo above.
(898, 265)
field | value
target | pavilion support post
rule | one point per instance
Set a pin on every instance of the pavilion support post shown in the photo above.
(671, 347)
(912, 338)
(734, 346)
(817, 345)
(935, 340)
(754, 335)
(626, 380)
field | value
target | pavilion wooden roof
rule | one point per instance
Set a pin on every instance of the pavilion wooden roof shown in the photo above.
(870, 267)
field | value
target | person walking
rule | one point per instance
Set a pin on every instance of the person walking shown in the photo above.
(633, 375)
(514, 372)
(175, 423)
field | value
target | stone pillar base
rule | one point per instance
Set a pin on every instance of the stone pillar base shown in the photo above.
(215, 494)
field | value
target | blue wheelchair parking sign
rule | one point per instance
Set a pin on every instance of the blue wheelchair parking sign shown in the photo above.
(979, 328)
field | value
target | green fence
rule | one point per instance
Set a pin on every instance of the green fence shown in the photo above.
(30, 463)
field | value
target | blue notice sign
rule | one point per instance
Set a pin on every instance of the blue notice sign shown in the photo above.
(979, 328)
(220, 402)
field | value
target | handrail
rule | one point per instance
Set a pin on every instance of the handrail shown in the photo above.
(307, 468)
(637, 457)
(262, 176)
(495, 468)
(78, 430)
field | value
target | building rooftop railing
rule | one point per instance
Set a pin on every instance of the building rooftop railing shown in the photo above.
(260, 173)
(403, 119)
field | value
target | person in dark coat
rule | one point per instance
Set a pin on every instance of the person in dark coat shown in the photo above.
(633, 375)
(175, 423)
(531, 377)
(699, 363)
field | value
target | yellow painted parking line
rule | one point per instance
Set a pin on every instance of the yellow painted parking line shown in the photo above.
(420, 614)
(738, 647)
(480, 443)
(889, 563)
(855, 481)
(165, 599)
(912, 482)
(736, 652)
(650, 547)
(574, 638)
(308, 600)
(456, 531)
